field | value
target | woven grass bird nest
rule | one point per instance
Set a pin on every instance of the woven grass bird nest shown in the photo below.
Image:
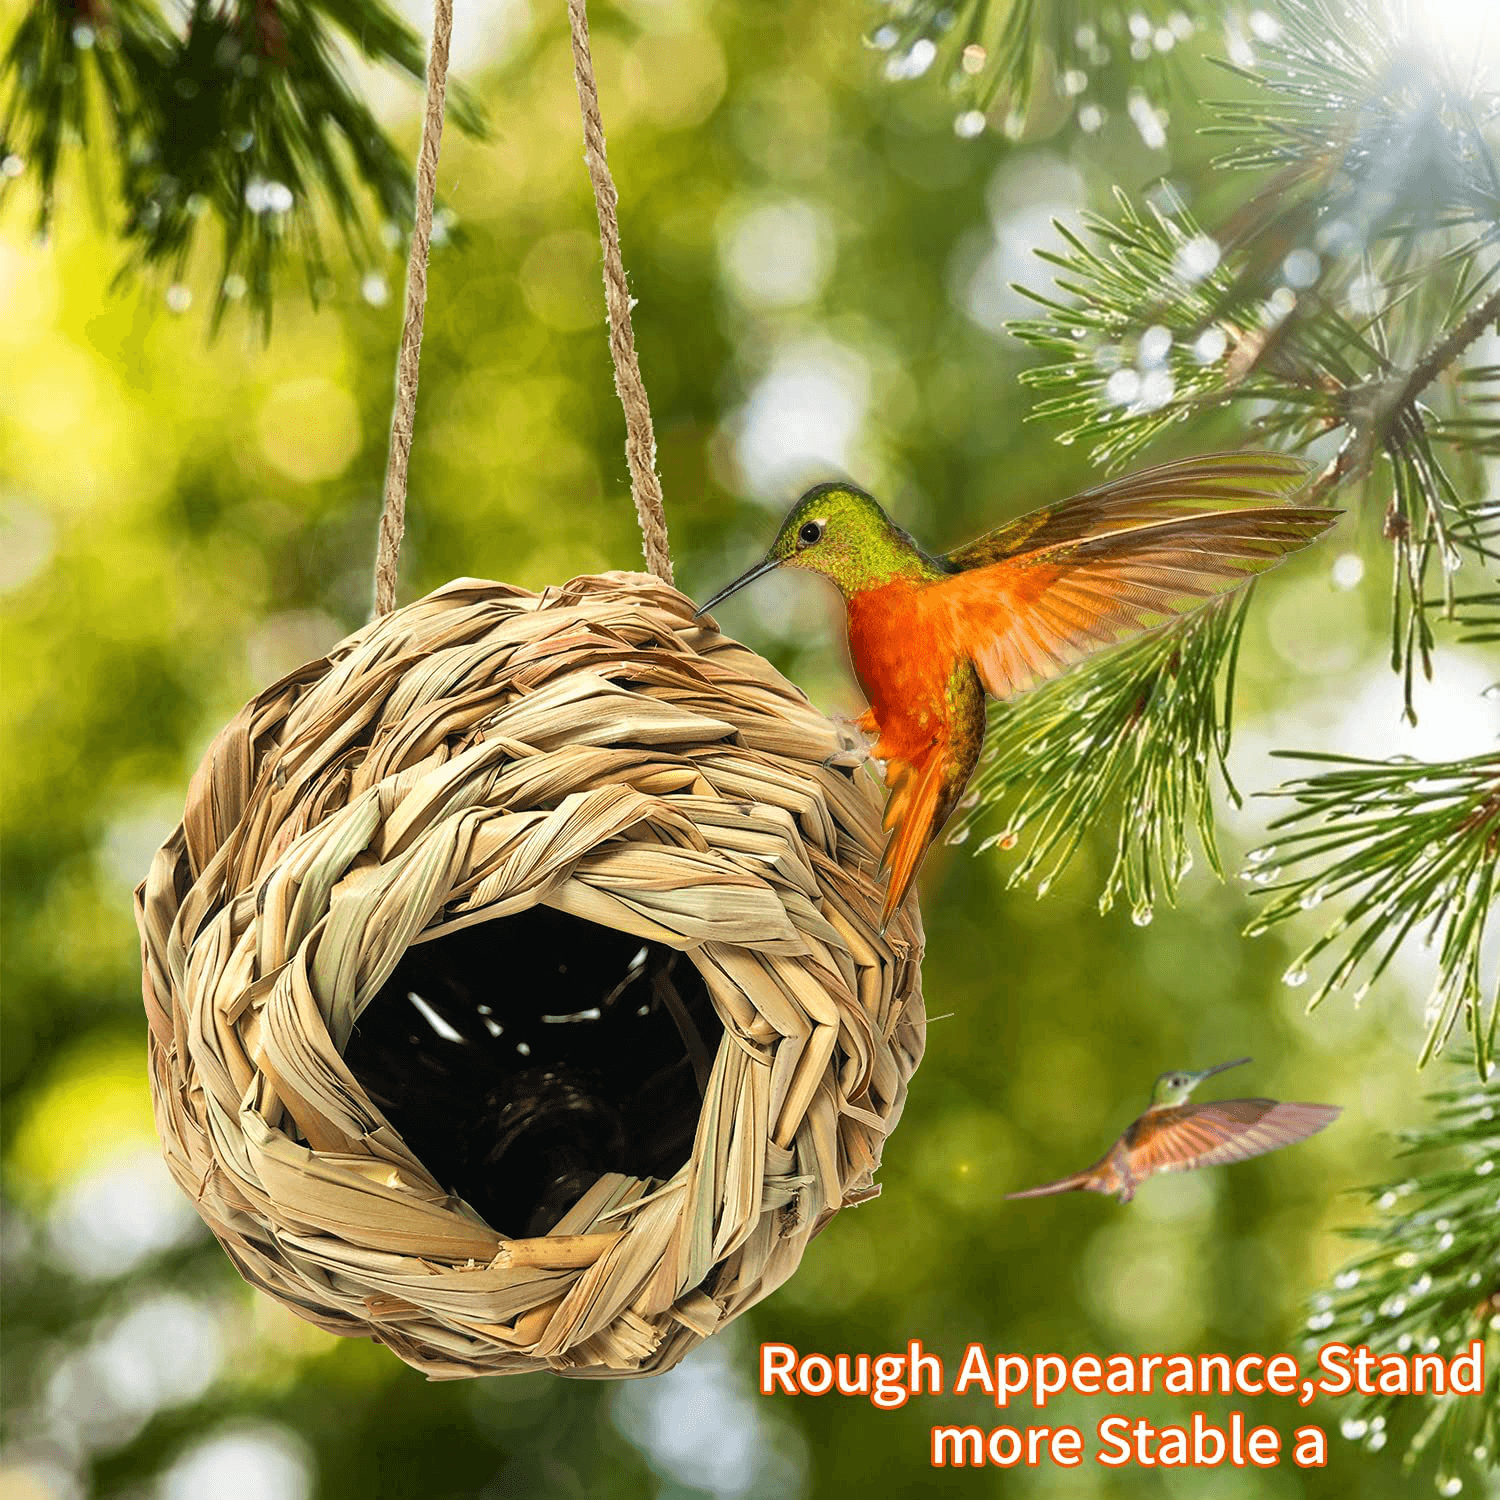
(515, 986)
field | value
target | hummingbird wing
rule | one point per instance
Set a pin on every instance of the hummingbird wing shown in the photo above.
(1208, 1135)
(1036, 596)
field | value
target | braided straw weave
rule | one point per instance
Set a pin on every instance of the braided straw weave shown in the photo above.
(596, 750)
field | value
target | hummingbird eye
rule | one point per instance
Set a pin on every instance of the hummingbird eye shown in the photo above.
(811, 531)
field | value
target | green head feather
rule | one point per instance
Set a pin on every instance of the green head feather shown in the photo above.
(1172, 1089)
(841, 532)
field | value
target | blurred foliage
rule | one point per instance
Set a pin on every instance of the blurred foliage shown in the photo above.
(822, 269)
(238, 120)
(1051, 59)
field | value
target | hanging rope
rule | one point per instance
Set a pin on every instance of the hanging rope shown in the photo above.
(408, 362)
(640, 441)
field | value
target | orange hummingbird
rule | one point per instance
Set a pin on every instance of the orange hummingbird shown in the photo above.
(1175, 1136)
(930, 635)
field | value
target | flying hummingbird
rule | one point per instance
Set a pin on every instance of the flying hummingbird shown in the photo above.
(931, 634)
(1175, 1136)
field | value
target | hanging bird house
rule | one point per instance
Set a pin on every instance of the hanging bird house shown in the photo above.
(516, 990)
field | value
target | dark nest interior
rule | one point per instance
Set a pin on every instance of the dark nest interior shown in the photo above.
(521, 1058)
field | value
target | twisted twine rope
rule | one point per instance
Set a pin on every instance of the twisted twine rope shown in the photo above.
(409, 360)
(640, 439)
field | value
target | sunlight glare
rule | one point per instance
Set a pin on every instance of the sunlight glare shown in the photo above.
(1467, 31)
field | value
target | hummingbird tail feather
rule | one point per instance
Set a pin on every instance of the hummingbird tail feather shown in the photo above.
(1075, 1183)
(912, 811)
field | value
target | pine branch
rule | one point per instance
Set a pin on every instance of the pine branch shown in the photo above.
(1373, 422)
(1337, 302)
(1335, 306)
(1150, 336)
(244, 122)
(1479, 617)
(1354, 109)
(1411, 848)
(1448, 348)
(1132, 740)
(1086, 59)
(1430, 1282)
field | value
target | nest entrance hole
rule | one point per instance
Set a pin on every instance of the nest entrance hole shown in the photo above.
(522, 1058)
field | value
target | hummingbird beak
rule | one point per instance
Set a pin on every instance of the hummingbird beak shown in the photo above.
(758, 571)
(1239, 1062)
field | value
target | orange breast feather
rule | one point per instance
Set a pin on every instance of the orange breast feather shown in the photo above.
(901, 643)
(929, 708)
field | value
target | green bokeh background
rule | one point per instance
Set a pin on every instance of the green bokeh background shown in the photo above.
(182, 520)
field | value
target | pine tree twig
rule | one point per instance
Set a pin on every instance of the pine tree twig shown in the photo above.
(1387, 398)
(1449, 348)
(1377, 234)
(1428, 1281)
(1134, 740)
(241, 125)
(1162, 340)
(1411, 847)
